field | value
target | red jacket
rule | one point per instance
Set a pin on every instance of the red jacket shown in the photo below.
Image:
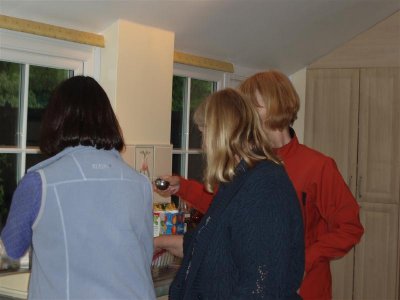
(330, 212)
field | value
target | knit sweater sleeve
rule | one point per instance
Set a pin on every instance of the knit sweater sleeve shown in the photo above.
(267, 240)
(25, 206)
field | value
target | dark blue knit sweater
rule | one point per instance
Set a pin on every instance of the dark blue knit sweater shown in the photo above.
(249, 245)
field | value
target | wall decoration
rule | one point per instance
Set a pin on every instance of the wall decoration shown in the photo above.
(144, 162)
(151, 161)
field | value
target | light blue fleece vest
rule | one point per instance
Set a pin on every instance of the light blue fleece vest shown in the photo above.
(93, 237)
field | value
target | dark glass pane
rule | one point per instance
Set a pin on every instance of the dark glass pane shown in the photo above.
(178, 108)
(42, 82)
(196, 167)
(176, 169)
(8, 183)
(177, 164)
(10, 82)
(199, 90)
(195, 136)
(33, 159)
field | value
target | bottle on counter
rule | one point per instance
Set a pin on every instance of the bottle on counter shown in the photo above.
(184, 209)
(195, 218)
(192, 217)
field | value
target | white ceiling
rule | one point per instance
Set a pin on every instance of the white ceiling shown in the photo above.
(256, 34)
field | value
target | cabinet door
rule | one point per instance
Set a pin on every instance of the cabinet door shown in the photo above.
(331, 124)
(379, 136)
(331, 127)
(376, 256)
(377, 260)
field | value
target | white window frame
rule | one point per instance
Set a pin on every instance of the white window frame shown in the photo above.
(27, 49)
(202, 74)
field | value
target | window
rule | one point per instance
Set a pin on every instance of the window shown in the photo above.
(30, 68)
(188, 91)
(24, 93)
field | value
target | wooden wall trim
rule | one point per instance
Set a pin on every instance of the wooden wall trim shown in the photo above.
(202, 62)
(51, 31)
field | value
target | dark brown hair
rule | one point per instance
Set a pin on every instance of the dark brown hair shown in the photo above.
(79, 113)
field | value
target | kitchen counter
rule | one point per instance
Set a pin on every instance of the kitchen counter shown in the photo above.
(162, 279)
(14, 284)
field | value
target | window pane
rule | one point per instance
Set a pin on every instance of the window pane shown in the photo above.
(178, 110)
(199, 90)
(10, 82)
(196, 166)
(195, 136)
(33, 159)
(8, 183)
(42, 82)
(176, 170)
(177, 164)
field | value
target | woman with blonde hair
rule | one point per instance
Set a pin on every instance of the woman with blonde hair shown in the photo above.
(330, 212)
(249, 244)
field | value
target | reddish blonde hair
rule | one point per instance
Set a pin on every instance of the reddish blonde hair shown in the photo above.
(278, 95)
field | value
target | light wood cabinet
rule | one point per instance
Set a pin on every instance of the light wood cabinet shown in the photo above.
(376, 259)
(353, 115)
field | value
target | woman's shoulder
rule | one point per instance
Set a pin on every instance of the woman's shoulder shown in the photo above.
(267, 168)
(268, 176)
(31, 180)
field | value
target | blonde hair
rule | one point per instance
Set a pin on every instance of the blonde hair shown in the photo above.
(278, 95)
(232, 130)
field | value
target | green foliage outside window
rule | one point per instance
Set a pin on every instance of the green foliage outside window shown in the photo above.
(9, 83)
(178, 92)
(200, 89)
(42, 82)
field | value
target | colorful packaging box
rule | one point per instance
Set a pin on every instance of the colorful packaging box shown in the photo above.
(168, 221)
(157, 215)
(173, 222)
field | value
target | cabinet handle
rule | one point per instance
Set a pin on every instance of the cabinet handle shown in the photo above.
(349, 181)
(359, 187)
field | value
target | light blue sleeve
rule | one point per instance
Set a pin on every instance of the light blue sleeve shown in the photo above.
(17, 233)
(148, 231)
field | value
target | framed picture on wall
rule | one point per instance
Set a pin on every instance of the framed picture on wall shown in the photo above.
(151, 161)
(144, 161)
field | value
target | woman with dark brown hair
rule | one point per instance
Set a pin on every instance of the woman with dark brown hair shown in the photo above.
(80, 113)
(86, 214)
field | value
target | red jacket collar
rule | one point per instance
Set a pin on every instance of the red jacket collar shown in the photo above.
(287, 150)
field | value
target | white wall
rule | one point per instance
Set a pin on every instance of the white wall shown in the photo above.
(137, 72)
(299, 81)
